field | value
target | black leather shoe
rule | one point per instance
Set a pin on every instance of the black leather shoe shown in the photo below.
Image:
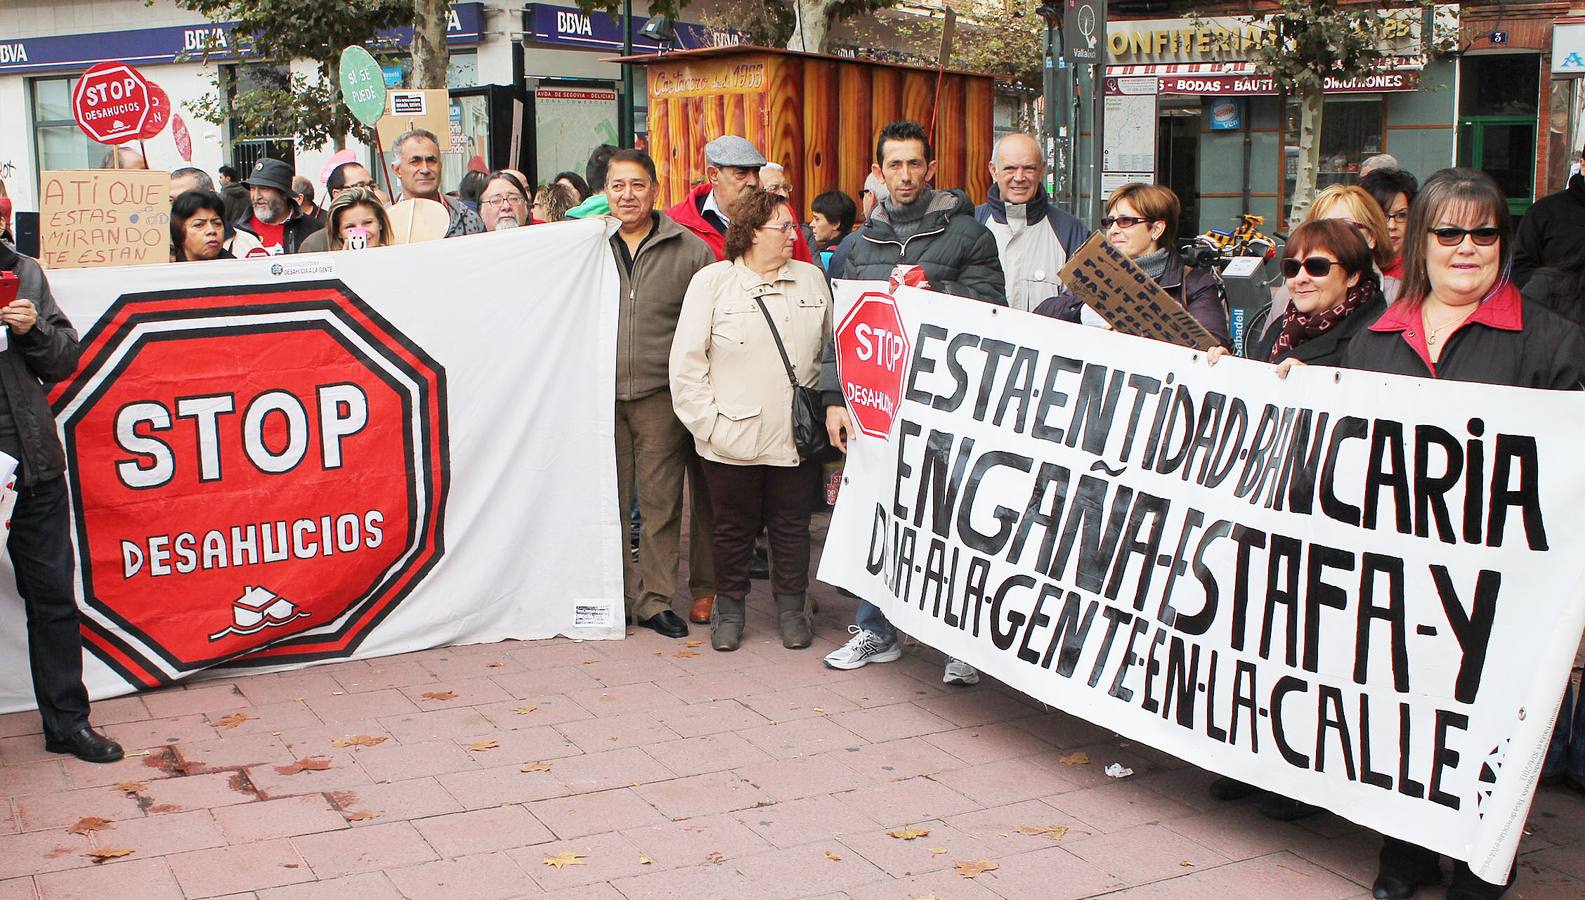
(1225, 788)
(1401, 886)
(87, 745)
(667, 623)
(759, 566)
(1285, 809)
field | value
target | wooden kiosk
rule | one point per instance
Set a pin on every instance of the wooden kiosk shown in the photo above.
(816, 115)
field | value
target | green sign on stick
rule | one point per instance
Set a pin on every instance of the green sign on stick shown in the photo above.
(362, 85)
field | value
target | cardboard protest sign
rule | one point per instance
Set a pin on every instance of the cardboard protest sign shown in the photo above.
(429, 110)
(104, 217)
(1101, 276)
(415, 220)
(1361, 591)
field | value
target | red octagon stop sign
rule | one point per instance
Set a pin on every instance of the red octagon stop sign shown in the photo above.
(111, 103)
(872, 357)
(260, 472)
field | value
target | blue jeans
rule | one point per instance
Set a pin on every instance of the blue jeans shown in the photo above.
(1567, 751)
(870, 618)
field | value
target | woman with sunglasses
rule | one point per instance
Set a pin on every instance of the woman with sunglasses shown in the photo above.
(744, 323)
(1142, 221)
(1460, 318)
(1354, 207)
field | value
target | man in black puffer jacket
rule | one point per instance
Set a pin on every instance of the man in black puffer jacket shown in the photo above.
(936, 231)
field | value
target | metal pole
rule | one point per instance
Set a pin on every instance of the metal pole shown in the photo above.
(625, 110)
(1051, 97)
(1097, 141)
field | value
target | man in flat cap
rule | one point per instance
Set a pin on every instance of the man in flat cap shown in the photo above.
(731, 167)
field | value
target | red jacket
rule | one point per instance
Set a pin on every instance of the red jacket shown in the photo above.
(687, 215)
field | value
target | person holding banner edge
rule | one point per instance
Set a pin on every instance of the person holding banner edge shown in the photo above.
(43, 348)
(1460, 318)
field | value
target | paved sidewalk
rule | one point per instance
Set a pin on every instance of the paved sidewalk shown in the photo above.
(654, 769)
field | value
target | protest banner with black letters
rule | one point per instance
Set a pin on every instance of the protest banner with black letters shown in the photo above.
(298, 459)
(1358, 590)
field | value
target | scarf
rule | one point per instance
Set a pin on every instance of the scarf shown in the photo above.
(1153, 264)
(1298, 327)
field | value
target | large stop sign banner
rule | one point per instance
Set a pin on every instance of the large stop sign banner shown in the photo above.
(872, 356)
(112, 103)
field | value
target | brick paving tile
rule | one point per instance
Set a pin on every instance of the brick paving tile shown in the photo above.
(172, 795)
(24, 749)
(612, 732)
(455, 663)
(897, 803)
(702, 795)
(1144, 853)
(370, 705)
(286, 687)
(398, 762)
(174, 833)
(621, 700)
(695, 841)
(482, 831)
(1093, 773)
(265, 719)
(896, 760)
(802, 777)
(1004, 781)
(588, 892)
(480, 788)
(34, 852)
(535, 685)
(483, 877)
(712, 882)
(1238, 831)
(147, 768)
(27, 722)
(367, 886)
(980, 705)
(469, 691)
(533, 656)
(1118, 806)
(798, 703)
(712, 686)
(287, 817)
(794, 871)
(708, 753)
(343, 773)
(382, 846)
(979, 744)
(900, 858)
(313, 739)
(999, 826)
(585, 814)
(803, 821)
(437, 725)
(890, 723)
(246, 867)
(178, 701)
(1051, 874)
(611, 769)
(129, 879)
(605, 857)
(415, 798)
(1062, 730)
(41, 777)
(147, 733)
(543, 710)
(235, 751)
(802, 737)
(624, 672)
(710, 718)
(18, 889)
(942, 884)
(60, 809)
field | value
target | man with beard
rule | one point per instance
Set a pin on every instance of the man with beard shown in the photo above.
(273, 218)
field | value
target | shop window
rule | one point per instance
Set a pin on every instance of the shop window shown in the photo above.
(1351, 132)
(1508, 85)
(277, 142)
(1498, 112)
(61, 144)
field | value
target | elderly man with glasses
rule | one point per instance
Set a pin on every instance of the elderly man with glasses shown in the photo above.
(504, 203)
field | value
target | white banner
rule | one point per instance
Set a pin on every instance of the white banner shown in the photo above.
(280, 461)
(1361, 591)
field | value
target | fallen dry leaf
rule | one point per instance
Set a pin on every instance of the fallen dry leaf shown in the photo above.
(524, 710)
(820, 709)
(684, 654)
(131, 787)
(644, 860)
(306, 764)
(481, 746)
(439, 695)
(89, 824)
(232, 720)
(833, 857)
(694, 644)
(357, 740)
(929, 896)
(588, 662)
(937, 851)
(1186, 864)
(492, 664)
(535, 767)
(1055, 832)
(1079, 758)
(100, 854)
(566, 858)
(361, 815)
(908, 834)
(970, 869)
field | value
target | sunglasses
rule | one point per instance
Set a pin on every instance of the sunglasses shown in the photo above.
(1123, 221)
(1316, 266)
(1484, 236)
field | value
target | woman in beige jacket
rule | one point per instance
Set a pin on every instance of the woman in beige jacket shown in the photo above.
(730, 388)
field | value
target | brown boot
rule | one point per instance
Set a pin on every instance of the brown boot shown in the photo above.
(700, 614)
(797, 626)
(726, 623)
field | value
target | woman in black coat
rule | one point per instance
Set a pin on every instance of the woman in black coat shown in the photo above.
(1459, 318)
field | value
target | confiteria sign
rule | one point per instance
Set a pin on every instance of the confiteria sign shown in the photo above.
(1230, 38)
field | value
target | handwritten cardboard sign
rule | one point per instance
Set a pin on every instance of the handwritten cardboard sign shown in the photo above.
(1101, 276)
(104, 217)
(407, 110)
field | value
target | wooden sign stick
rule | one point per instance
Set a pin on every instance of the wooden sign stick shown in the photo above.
(379, 147)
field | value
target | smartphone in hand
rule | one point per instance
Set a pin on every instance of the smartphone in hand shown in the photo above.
(8, 288)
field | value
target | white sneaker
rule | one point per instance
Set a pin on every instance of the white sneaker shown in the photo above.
(863, 648)
(959, 672)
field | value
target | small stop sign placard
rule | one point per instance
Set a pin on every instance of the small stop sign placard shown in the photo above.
(111, 103)
(872, 358)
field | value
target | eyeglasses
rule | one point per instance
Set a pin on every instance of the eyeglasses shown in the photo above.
(1316, 266)
(512, 198)
(1122, 221)
(358, 184)
(1400, 216)
(784, 228)
(1484, 236)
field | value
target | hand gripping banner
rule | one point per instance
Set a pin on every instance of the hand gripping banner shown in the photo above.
(281, 461)
(1358, 590)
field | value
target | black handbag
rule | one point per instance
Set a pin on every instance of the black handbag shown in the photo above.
(808, 412)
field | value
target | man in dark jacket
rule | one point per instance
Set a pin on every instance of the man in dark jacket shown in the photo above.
(1553, 231)
(1034, 237)
(43, 348)
(656, 258)
(274, 218)
(936, 231)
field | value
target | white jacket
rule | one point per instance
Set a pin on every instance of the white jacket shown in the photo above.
(728, 384)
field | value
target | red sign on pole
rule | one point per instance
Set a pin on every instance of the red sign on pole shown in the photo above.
(184, 140)
(159, 113)
(872, 357)
(111, 103)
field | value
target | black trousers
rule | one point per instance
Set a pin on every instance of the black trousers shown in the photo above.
(41, 552)
(745, 499)
(1399, 857)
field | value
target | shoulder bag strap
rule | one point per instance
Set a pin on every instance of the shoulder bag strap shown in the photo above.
(786, 363)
